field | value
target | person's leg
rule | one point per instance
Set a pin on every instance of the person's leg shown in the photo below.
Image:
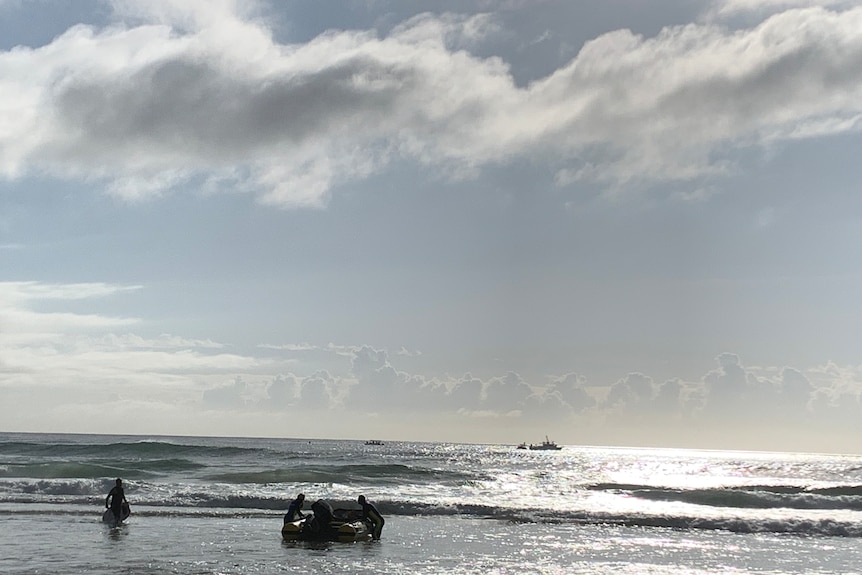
(378, 525)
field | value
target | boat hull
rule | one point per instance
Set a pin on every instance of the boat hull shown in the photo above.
(546, 445)
(342, 530)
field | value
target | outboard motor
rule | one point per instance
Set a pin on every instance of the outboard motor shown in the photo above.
(322, 513)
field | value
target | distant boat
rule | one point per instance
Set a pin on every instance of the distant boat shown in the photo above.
(373, 442)
(522, 446)
(546, 445)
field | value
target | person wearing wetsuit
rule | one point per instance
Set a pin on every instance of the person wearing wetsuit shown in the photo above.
(370, 512)
(320, 524)
(115, 499)
(295, 509)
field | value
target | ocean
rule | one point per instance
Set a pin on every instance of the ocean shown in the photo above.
(215, 506)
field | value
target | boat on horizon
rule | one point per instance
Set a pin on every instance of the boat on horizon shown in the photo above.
(373, 442)
(546, 445)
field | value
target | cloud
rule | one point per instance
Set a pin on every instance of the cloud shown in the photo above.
(633, 391)
(794, 388)
(54, 353)
(81, 366)
(24, 325)
(317, 390)
(749, 395)
(381, 387)
(726, 387)
(291, 393)
(281, 392)
(177, 96)
(466, 393)
(729, 8)
(571, 390)
(506, 393)
(840, 408)
(637, 397)
(292, 347)
(227, 396)
(756, 394)
(668, 399)
(15, 292)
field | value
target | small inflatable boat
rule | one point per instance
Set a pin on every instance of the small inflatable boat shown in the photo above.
(327, 524)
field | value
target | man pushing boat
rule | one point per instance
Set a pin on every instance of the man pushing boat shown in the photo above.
(294, 511)
(369, 512)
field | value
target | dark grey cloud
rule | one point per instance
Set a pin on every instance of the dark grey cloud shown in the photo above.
(205, 116)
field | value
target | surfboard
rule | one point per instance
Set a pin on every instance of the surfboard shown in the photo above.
(108, 515)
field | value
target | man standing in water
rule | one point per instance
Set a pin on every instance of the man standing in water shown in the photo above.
(295, 509)
(370, 512)
(115, 499)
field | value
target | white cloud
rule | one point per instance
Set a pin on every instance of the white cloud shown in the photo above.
(24, 325)
(728, 8)
(192, 91)
(293, 347)
(48, 351)
(164, 341)
(13, 292)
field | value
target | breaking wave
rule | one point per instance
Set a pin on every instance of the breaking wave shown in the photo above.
(113, 468)
(386, 474)
(749, 497)
(123, 449)
(203, 505)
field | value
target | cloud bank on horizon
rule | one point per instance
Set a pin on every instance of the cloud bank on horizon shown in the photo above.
(141, 103)
(69, 369)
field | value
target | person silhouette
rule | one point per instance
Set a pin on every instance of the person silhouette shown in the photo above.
(369, 512)
(115, 500)
(295, 509)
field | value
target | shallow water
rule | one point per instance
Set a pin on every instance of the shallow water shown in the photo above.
(214, 506)
(31, 544)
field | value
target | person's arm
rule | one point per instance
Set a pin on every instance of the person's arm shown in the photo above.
(108, 498)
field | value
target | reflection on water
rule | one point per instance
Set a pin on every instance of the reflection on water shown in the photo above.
(117, 533)
(313, 545)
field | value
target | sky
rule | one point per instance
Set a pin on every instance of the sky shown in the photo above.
(488, 221)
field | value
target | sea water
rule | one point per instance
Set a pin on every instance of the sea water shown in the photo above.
(215, 505)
